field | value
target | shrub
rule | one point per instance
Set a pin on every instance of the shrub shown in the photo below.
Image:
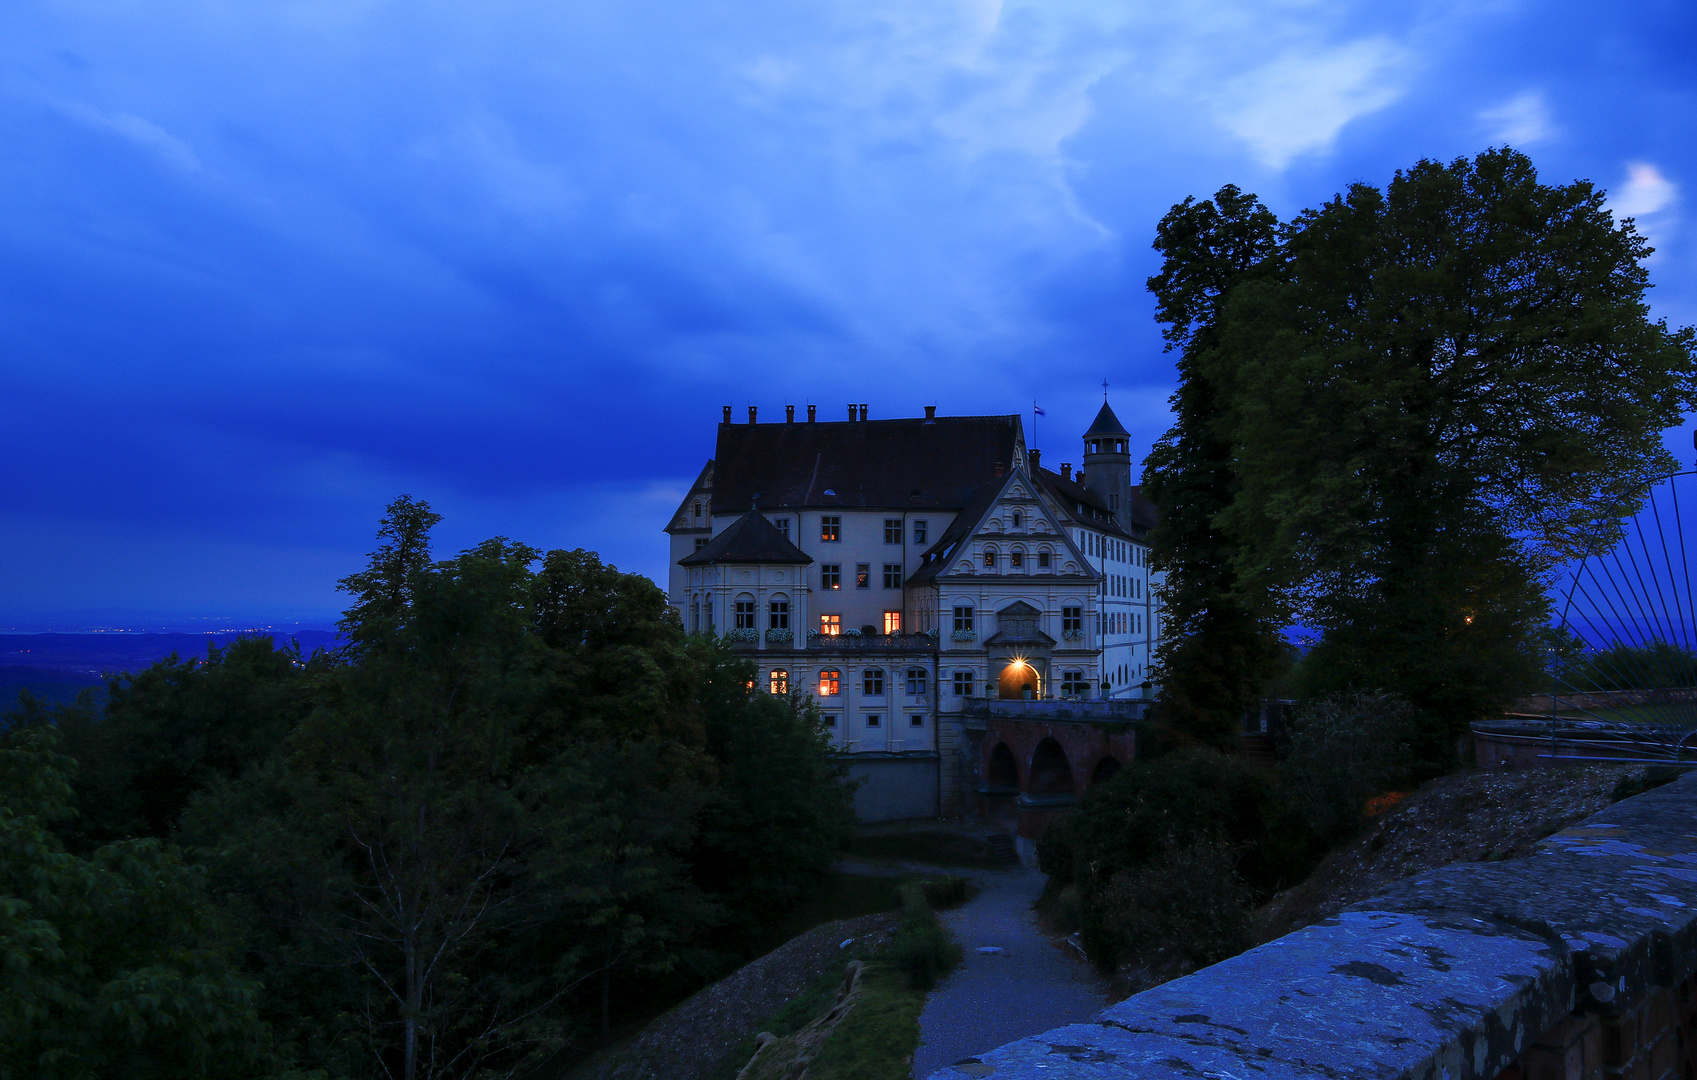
(1135, 837)
(922, 950)
(1343, 750)
(1188, 902)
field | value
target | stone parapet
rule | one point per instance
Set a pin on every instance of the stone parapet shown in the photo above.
(1575, 962)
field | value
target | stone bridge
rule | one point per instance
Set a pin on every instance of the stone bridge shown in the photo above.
(1575, 963)
(1032, 760)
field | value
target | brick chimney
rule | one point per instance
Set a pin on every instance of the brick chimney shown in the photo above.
(851, 412)
(863, 411)
(812, 413)
(727, 414)
(1034, 456)
(1066, 470)
(931, 415)
(751, 412)
(789, 414)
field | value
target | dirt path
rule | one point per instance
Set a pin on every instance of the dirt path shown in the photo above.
(1035, 984)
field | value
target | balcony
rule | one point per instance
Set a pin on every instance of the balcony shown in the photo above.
(1082, 712)
(872, 643)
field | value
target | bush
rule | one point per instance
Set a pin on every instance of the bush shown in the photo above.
(1189, 902)
(1343, 750)
(922, 950)
(1131, 843)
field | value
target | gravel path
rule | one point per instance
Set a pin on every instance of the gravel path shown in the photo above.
(991, 999)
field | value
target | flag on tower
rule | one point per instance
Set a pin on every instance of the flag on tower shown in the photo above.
(1040, 412)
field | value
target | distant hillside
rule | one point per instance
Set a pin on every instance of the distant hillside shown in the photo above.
(58, 666)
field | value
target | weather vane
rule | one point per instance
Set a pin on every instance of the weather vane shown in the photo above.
(1104, 389)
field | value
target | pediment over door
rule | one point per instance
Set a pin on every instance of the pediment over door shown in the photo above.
(1018, 624)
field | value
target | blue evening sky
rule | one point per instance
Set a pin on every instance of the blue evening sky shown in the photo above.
(265, 265)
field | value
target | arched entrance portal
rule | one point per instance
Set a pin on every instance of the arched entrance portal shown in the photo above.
(1017, 678)
(1051, 773)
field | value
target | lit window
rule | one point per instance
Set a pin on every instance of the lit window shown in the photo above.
(863, 575)
(917, 678)
(778, 615)
(830, 575)
(919, 531)
(745, 615)
(963, 683)
(892, 575)
(874, 720)
(963, 618)
(1042, 560)
(892, 622)
(872, 682)
(779, 682)
(831, 527)
(892, 530)
(1016, 559)
(830, 625)
(989, 560)
(830, 682)
(1073, 684)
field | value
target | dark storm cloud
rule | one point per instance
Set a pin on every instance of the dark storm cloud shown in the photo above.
(264, 266)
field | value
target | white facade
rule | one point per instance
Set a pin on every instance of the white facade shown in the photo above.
(904, 616)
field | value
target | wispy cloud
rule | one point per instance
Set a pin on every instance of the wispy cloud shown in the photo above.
(137, 130)
(1645, 192)
(1299, 102)
(1521, 121)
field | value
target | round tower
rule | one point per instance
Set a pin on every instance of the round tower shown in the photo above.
(1107, 462)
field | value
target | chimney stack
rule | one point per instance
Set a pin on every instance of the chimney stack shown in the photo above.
(1034, 456)
(1066, 470)
(931, 415)
(851, 412)
(727, 414)
(1000, 468)
(751, 411)
(863, 412)
(789, 414)
(812, 411)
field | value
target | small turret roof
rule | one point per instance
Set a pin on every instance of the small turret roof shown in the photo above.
(1106, 424)
(748, 539)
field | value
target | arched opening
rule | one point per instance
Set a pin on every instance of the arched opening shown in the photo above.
(1001, 772)
(1019, 680)
(1104, 770)
(1051, 774)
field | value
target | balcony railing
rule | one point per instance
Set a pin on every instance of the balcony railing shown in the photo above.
(872, 642)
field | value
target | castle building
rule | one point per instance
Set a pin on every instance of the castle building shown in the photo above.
(929, 583)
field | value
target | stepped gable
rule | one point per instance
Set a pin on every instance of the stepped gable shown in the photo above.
(749, 539)
(935, 561)
(900, 464)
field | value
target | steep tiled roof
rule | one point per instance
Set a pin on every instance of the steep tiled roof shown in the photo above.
(748, 539)
(1071, 495)
(869, 463)
(936, 558)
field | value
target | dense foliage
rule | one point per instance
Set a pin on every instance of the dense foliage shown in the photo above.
(519, 806)
(1146, 846)
(1396, 415)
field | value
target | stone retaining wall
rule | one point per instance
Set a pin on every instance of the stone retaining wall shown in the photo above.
(1575, 962)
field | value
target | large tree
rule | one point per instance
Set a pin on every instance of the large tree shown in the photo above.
(1435, 392)
(1221, 642)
